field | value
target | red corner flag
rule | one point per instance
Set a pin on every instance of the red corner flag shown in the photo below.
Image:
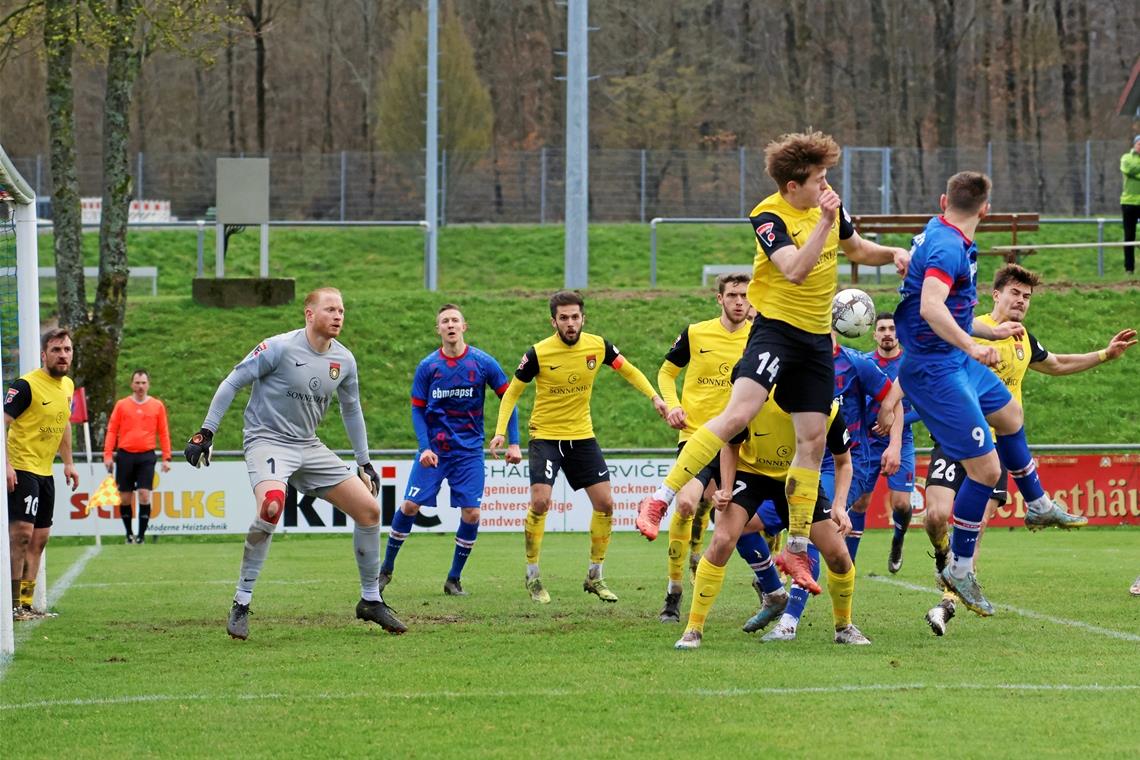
(79, 406)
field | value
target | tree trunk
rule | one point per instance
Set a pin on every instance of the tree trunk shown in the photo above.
(259, 20)
(59, 43)
(1010, 65)
(880, 70)
(97, 343)
(945, 73)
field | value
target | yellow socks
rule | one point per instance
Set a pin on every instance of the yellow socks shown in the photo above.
(841, 588)
(700, 525)
(680, 530)
(601, 526)
(27, 592)
(803, 491)
(705, 589)
(533, 531)
(699, 450)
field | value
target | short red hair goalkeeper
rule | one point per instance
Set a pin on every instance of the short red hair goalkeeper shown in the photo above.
(294, 376)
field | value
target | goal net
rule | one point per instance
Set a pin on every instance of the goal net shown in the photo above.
(19, 334)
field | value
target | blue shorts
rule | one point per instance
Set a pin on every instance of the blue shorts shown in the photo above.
(869, 464)
(954, 394)
(463, 473)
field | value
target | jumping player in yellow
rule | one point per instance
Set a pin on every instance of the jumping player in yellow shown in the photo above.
(799, 230)
(564, 367)
(706, 351)
(757, 464)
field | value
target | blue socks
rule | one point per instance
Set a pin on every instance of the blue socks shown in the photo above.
(969, 509)
(858, 522)
(901, 521)
(797, 597)
(464, 541)
(753, 549)
(401, 527)
(1013, 450)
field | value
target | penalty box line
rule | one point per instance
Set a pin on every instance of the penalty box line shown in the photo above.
(1122, 635)
(514, 694)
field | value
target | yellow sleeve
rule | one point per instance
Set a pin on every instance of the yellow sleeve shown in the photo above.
(667, 382)
(507, 404)
(634, 377)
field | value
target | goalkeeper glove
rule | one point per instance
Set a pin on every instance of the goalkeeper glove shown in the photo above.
(199, 447)
(367, 473)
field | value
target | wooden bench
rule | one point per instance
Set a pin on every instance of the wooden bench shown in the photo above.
(48, 273)
(904, 224)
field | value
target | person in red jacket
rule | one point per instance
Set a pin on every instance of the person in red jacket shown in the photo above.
(129, 443)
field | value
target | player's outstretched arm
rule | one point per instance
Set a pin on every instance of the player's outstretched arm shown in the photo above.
(348, 393)
(1068, 364)
(637, 379)
(862, 251)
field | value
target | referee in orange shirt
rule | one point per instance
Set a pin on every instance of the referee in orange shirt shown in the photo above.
(134, 423)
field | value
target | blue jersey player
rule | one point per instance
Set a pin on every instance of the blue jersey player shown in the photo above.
(447, 414)
(858, 384)
(944, 372)
(888, 357)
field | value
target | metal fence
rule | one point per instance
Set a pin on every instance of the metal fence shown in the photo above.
(625, 185)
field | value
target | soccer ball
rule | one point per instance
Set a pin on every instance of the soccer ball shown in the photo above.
(852, 312)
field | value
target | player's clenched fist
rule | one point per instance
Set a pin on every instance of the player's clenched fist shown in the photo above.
(199, 447)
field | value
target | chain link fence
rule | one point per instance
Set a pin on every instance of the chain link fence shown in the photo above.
(625, 185)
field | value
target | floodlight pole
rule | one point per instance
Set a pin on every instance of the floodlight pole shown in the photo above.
(431, 149)
(577, 145)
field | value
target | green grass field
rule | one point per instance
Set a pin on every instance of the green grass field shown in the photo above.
(138, 662)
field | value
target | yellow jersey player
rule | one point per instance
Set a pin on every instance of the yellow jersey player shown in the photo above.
(799, 230)
(758, 465)
(1012, 291)
(564, 367)
(706, 351)
(37, 410)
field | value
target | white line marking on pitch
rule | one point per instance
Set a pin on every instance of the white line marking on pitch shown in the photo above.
(54, 594)
(503, 694)
(1123, 635)
(184, 582)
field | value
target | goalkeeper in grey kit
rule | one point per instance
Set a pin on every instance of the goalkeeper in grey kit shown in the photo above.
(294, 376)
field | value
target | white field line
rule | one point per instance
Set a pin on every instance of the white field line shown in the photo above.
(54, 594)
(184, 582)
(1122, 635)
(540, 693)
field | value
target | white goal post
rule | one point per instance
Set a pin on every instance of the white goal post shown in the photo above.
(22, 200)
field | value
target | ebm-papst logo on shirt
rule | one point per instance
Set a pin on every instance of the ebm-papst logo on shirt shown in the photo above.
(334, 370)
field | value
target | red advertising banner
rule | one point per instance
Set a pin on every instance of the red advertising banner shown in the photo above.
(1103, 487)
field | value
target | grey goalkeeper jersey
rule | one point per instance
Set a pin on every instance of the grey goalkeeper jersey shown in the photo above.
(292, 388)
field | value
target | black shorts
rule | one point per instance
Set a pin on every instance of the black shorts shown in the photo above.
(33, 501)
(709, 473)
(777, 350)
(760, 488)
(581, 461)
(134, 470)
(950, 473)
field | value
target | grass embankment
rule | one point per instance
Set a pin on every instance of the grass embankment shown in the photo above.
(502, 276)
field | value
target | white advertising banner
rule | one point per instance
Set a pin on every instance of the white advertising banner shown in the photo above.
(218, 499)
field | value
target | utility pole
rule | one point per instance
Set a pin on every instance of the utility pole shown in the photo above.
(431, 149)
(577, 145)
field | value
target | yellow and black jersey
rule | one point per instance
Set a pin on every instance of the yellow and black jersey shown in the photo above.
(1015, 355)
(564, 378)
(807, 306)
(771, 440)
(708, 352)
(40, 408)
